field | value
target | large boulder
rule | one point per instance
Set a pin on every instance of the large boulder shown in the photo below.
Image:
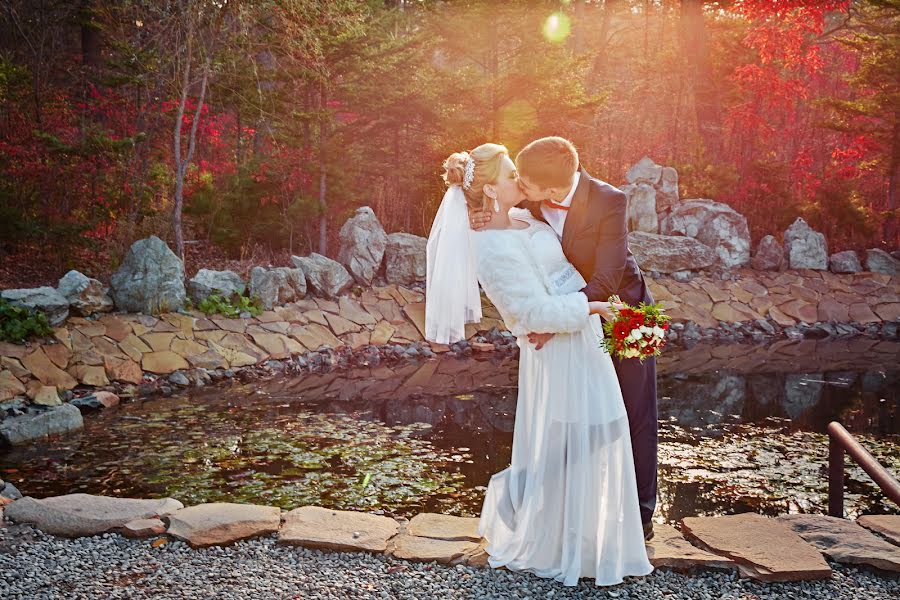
(150, 279)
(879, 261)
(45, 299)
(39, 422)
(208, 282)
(804, 247)
(715, 224)
(769, 255)
(667, 190)
(277, 286)
(326, 277)
(85, 295)
(844, 262)
(644, 171)
(668, 254)
(363, 242)
(405, 259)
(641, 208)
(80, 515)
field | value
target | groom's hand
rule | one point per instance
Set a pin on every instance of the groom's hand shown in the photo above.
(539, 339)
(478, 218)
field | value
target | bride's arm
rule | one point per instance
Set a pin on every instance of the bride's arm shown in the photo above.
(511, 282)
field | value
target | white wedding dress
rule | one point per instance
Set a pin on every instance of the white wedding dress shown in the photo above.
(567, 505)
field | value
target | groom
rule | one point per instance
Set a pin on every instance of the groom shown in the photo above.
(589, 216)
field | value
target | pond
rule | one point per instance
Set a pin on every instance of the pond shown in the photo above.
(741, 429)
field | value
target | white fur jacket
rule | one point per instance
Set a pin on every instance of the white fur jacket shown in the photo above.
(529, 280)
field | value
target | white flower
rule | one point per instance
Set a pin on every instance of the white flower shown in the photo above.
(659, 331)
(636, 334)
(645, 330)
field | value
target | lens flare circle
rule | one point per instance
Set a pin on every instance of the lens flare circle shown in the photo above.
(557, 27)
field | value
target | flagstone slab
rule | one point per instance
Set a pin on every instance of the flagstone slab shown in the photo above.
(327, 305)
(163, 363)
(357, 340)
(215, 335)
(208, 360)
(134, 347)
(382, 333)
(10, 386)
(316, 527)
(339, 325)
(832, 311)
(273, 343)
(235, 358)
(416, 313)
(79, 515)
(281, 327)
(763, 549)
(232, 325)
(315, 336)
(58, 354)
(423, 549)
(242, 344)
(125, 370)
(844, 541)
(158, 341)
(116, 328)
(187, 348)
(16, 350)
(888, 312)
(887, 526)
(220, 523)
(668, 548)
(316, 316)
(862, 314)
(353, 311)
(780, 318)
(107, 347)
(89, 374)
(144, 528)
(46, 371)
(392, 313)
(14, 366)
(444, 527)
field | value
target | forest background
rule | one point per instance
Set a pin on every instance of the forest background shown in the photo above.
(242, 131)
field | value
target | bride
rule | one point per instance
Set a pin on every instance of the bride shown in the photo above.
(567, 505)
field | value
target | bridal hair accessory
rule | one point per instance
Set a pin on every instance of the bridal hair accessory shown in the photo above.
(452, 298)
(469, 175)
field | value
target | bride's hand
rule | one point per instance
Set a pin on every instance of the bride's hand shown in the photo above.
(603, 309)
(478, 218)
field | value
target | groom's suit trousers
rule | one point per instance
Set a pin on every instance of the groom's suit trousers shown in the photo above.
(638, 383)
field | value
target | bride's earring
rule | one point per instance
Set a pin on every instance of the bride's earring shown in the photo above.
(496, 205)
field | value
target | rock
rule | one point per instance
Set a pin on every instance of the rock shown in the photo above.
(44, 299)
(879, 261)
(667, 254)
(669, 549)
(277, 286)
(180, 379)
(363, 242)
(39, 423)
(644, 171)
(150, 279)
(715, 224)
(769, 255)
(81, 515)
(885, 525)
(143, 528)
(642, 208)
(763, 548)
(46, 371)
(207, 282)
(316, 527)
(126, 370)
(8, 492)
(667, 190)
(804, 247)
(404, 258)
(844, 262)
(163, 362)
(325, 277)
(411, 547)
(10, 386)
(444, 527)
(47, 396)
(220, 523)
(85, 295)
(844, 541)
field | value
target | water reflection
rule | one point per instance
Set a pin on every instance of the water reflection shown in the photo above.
(741, 428)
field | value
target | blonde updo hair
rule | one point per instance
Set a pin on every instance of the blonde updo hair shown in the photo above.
(487, 158)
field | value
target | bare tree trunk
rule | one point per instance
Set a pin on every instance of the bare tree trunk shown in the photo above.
(323, 175)
(706, 99)
(182, 163)
(598, 67)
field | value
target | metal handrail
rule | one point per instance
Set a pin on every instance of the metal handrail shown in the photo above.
(839, 441)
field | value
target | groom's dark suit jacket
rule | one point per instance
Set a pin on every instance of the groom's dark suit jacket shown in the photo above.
(595, 240)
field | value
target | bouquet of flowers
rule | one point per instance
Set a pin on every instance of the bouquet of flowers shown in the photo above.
(636, 332)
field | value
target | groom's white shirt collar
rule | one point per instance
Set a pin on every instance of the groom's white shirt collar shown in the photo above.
(557, 218)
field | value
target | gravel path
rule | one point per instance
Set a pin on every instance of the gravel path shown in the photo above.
(34, 565)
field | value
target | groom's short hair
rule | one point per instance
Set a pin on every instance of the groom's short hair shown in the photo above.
(548, 162)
